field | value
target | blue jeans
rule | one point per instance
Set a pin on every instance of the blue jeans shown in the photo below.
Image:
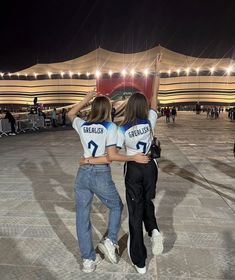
(90, 180)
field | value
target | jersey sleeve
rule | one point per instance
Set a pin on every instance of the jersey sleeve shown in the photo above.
(77, 123)
(152, 118)
(111, 139)
(120, 137)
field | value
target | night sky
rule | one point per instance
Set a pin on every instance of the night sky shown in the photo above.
(57, 30)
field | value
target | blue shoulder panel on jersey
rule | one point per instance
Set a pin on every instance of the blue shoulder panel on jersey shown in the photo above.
(87, 123)
(124, 127)
(107, 124)
(142, 121)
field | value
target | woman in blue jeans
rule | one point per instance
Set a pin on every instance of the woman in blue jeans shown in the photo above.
(97, 134)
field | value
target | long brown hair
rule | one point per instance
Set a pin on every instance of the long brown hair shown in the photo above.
(100, 110)
(136, 108)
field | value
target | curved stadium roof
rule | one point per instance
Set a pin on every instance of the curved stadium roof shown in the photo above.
(105, 61)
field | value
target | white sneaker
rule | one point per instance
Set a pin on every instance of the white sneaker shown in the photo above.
(140, 270)
(108, 249)
(90, 265)
(157, 242)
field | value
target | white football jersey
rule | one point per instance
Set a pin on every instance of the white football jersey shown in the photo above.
(95, 137)
(137, 138)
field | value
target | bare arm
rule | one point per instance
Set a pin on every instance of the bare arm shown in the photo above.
(72, 114)
(113, 154)
(95, 160)
(156, 81)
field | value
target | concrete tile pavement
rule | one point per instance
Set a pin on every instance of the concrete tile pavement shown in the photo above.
(195, 205)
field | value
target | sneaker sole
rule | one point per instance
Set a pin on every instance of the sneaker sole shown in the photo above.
(104, 251)
(158, 248)
(138, 270)
(88, 271)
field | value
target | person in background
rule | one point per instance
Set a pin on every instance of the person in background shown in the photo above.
(12, 121)
(54, 117)
(64, 112)
(167, 114)
(208, 110)
(173, 113)
(42, 114)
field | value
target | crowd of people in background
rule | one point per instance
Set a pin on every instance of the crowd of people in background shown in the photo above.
(169, 113)
(56, 117)
(213, 112)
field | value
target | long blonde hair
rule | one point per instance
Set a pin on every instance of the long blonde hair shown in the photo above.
(137, 108)
(100, 110)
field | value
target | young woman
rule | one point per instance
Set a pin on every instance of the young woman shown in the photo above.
(94, 177)
(140, 179)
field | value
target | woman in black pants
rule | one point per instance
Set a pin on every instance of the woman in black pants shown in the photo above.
(140, 179)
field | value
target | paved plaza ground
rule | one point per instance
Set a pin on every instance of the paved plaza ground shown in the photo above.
(195, 205)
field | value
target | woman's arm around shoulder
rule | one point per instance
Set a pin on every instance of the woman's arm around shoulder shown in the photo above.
(113, 155)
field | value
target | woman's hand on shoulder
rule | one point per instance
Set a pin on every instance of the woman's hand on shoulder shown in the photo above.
(141, 158)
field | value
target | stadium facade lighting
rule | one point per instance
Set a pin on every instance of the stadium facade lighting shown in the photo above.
(132, 72)
(229, 70)
(146, 72)
(212, 70)
(124, 72)
(97, 74)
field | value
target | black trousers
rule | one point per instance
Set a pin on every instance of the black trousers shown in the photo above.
(13, 129)
(140, 182)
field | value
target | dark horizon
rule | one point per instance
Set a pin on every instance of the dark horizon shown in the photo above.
(57, 30)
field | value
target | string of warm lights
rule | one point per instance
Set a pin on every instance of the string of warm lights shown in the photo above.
(187, 71)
